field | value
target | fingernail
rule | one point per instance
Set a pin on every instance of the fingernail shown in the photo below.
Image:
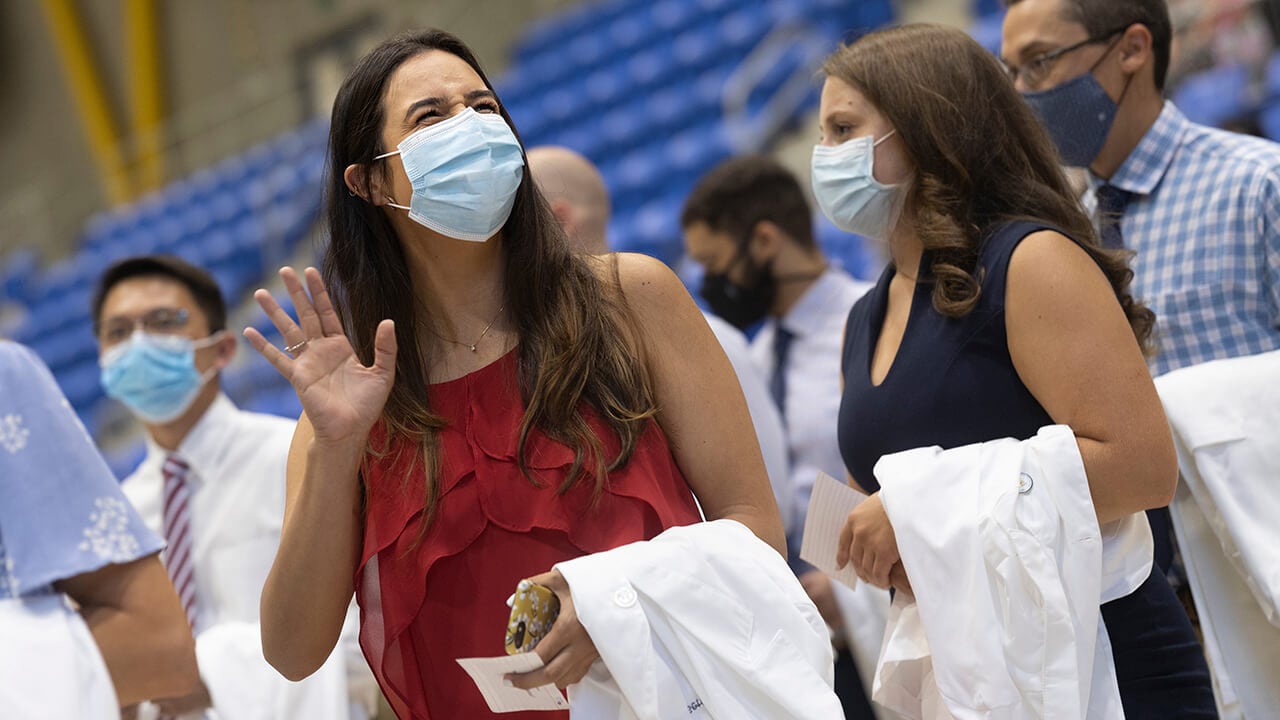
(506, 682)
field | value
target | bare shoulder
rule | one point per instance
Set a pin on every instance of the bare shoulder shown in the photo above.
(646, 283)
(1047, 246)
(1049, 256)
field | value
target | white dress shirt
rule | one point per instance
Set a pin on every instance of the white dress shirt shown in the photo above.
(764, 414)
(704, 622)
(51, 665)
(236, 482)
(812, 375)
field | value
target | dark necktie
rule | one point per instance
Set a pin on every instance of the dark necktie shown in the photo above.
(1111, 205)
(778, 382)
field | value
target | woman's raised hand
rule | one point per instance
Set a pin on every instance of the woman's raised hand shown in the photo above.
(341, 397)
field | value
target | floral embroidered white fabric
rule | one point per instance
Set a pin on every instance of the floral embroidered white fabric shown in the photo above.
(13, 435)
(108, 536)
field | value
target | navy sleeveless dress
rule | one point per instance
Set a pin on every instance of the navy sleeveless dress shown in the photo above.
(953, 383)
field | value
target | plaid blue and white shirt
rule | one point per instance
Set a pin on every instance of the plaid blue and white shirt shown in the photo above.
(1204, 220)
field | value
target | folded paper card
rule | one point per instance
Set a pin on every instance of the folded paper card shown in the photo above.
(488, 675)
(829, 505)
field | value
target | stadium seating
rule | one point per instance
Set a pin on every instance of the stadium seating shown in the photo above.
(634, 85)
(236, 219)
(637, 88)
(1217, 96)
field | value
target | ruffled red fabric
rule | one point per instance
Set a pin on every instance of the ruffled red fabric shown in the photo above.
(424, 603)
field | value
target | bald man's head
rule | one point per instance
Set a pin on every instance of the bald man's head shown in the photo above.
(576, 192)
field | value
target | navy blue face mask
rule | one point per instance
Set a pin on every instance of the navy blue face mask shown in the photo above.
(1078, 115)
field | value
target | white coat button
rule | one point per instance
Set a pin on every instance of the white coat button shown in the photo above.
(1025, 483)
(625, 598)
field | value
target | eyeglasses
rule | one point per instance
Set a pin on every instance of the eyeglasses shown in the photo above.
(1036, 70)
(161, 321)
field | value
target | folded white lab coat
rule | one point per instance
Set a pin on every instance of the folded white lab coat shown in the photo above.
(865, 610)
(1009, 569)
(1225, 416)
(50, 667)
(703, 621)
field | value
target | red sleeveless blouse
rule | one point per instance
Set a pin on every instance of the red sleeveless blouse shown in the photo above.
(423, 604)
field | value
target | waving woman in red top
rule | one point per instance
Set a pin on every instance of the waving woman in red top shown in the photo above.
(479, 402)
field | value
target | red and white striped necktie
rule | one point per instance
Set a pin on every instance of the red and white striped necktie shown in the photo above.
(177, 531)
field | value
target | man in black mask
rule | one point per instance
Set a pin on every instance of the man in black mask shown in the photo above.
(748, 224)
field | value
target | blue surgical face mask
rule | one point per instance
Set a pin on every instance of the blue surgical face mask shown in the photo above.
(846, 189)
(155, 376)
(464, 171)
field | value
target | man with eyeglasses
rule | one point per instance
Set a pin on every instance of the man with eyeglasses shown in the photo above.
(213, 484)
(1199, 207)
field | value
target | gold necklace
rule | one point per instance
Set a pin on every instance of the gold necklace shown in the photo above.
(471, 346)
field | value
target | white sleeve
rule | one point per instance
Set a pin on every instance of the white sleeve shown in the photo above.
(764, 415)
(244, 687)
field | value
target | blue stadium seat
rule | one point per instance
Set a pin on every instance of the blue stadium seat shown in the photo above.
(628, 32)
(745, 27)
(985, 7)
(1269, 121)
(987, 31)
(852, 252)
(647, 67)
(123, 461)
(605, 86)
(695, 47)
(635, 174)
(1215, 97)
(1271, 77)
(620, 127)
(695, 151)
(561, 104)
(587, 50)
(82, 385)
(671, 16)
(656, 228)
(873, 14)
(15, 280)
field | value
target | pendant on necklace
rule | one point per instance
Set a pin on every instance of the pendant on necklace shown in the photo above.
(473, 348)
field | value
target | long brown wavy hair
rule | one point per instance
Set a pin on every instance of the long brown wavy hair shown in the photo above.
(981, 157)
(577, 343)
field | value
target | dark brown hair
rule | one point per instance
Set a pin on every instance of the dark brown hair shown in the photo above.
(1100, 17)
(738, 193)
(203, 288)
(981, 157)
(576, 344)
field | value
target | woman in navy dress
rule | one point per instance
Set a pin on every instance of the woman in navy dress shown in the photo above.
(999, 314)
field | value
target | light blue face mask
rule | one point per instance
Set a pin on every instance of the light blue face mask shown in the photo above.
(846, 189)
(464, 171)
(155, 376)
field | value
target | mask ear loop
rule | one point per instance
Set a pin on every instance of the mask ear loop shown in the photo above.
(390, 200)
(207, 342)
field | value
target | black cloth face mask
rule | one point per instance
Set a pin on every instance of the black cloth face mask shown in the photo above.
(741, 305)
